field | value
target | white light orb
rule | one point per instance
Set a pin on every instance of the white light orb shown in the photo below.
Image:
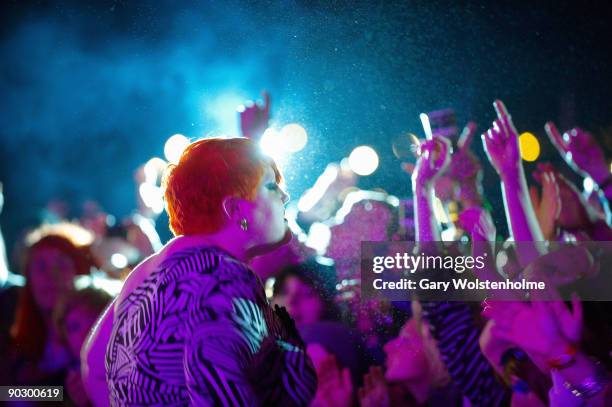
(174, 147)
(294, 137)
(153, 168)
(152, 197)
(319, 236)
(363, 160)
(271, 144)
(119, 261)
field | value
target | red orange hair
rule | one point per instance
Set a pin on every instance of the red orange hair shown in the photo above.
(209, 171)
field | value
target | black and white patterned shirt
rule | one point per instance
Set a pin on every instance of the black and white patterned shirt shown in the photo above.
(456, 334)
(200, 331)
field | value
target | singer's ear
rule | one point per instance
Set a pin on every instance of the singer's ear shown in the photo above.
(231, 207)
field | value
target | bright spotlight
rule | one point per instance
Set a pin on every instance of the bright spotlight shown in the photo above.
(530, 146)
(220, 110)
(363, 160)
(294, 137)
(119, 261)
(152, 197)
(174, 147)
(271, 144)
(153, 168)
(319, 236)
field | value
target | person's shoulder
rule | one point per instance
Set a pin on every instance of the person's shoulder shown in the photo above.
(138, 276)
(196, 253)
(201, 259)
(206, 265)
(163, 270)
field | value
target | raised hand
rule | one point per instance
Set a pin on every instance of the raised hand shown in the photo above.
(462, 182)
(535, 327)
(547, 206)
(254, 118)
(580, 151)
(464, 163)
(478, 222)
(501, 143)
(375, 392)
(335, 385)
(492, 346)
(546, 331)
(570, 320)
(561, 267)
(575, 213)
(433, 158)
(502, 147)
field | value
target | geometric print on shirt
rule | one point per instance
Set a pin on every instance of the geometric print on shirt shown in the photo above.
(200, 331)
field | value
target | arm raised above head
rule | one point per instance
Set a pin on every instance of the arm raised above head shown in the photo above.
(434, 156)
(501, 143)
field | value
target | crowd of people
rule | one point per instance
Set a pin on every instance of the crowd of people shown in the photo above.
(237, 309)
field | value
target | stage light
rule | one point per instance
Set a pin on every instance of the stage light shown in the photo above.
(118, 260)
(363, 160)
(152, 197)
(153, 168)
(294, 138)
(100, 280)
(271, 144)
(319, 236)
(530, 146)
(174, 147)
(147, 226)
(82, 281)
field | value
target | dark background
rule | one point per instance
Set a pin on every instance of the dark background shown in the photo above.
(92, 90)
